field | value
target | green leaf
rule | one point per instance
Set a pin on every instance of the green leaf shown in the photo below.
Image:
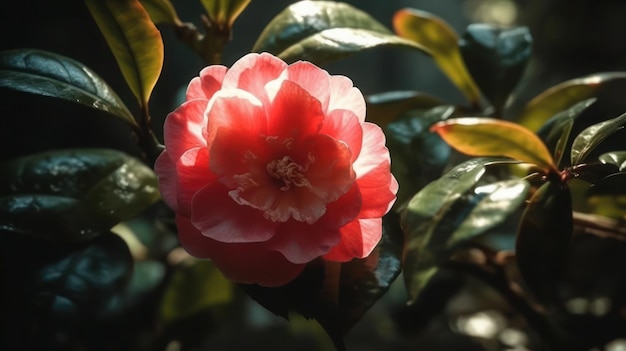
(161, 11)
(607, 197)
(450, 211)
(543, 239)
(564, 95)
(617, 158)
(134, 40)
(49, 74)
(556, 131)
(385, 107)
(441, 42)
(419, 156)
(492, 137)
(224, 12)
(594, 172)
(593, 136)
(193, 288)
(73, 195)
(496, 58)
(323, 31)
(335, 294)
(611, 185)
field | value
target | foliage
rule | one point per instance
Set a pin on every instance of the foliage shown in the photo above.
(100, 249)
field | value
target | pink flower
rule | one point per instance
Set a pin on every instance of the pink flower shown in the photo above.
(270, 166)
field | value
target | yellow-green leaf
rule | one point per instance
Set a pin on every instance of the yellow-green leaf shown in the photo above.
(161, 11)
(562, 96)
(134, 40)
(492, 137)
(441, 41)
(224, 11)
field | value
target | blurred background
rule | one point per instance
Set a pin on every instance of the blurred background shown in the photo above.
(572, 38)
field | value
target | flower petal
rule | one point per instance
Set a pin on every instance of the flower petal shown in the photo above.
(209, 81)
(183, 128)
(344, 210)
(344, 96)
(243, 263)
(220, 218)
(294, 113)
(358, 239)
(379, 187)
(373, 150)
(331, 172)
(311, 78)
(193, 174)
(235, 109)
(235, 154)
(252, 72)
(301, 243)
(344, 125)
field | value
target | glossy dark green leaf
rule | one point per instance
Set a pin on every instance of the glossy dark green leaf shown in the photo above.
(48, 74)
(543, 239)
(450, 211)
(385, 107)
(194, 287)
(607, 197)
(335, 294)
(612, 185)
(134, 40)
(161, 11)
(72, 195)
(556, 131)
(441, 41)
(322, 31)
(617, 158)
(593, 136)
(419, 156)
(564, 95)
(594, 172)
(496, 57)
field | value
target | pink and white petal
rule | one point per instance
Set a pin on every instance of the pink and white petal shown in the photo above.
(344, 96)
(311, 78)
(165, 169)
(301, 243)
(220, 218)
(235, 152)
(241, 263)
(373, 151)
(252, 72)
(344, 125)
(342, 211)
(209, 81)
(358, 239)
(193, 174)
(234, 109)
(378, 188)
(183, 128)
(294, 113)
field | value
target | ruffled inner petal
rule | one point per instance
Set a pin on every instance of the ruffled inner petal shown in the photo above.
(209, 81)
(183, 128)
(344, 125)
(311, 78)
(358, 239)
(245, 263)
(294, 113)
(234, 109)
(252, 72)
(220, 218)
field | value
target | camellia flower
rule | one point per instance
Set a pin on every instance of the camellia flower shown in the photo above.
(270, 166)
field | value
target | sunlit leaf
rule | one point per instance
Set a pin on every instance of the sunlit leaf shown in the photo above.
(161, 11)
(496, 57)
(419, 156)
(564, 95)
(592, 136)
(493, 137)
(543, 239)
(194, 287)
(73, 195)
(617, 158)
(134, 40)
(450, 211)
(385, 107)
(322, 31)
(224, 12)
(335, 294)
(48, 74)
(556, 131)
(438, 38)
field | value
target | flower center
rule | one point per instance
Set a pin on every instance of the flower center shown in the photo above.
(289, 172)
